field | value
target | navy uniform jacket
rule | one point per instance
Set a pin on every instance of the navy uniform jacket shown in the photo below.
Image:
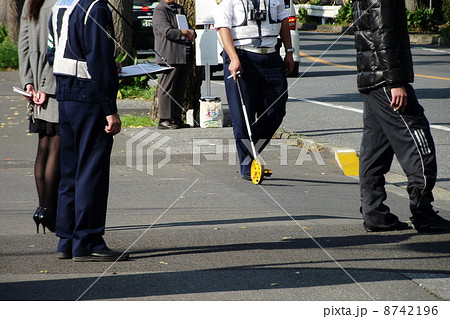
(90, 40)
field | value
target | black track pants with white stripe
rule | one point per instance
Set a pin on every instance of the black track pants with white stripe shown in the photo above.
(405, 134)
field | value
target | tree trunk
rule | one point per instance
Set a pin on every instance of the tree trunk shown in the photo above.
(412, 5)
(14, 9)
(3, 20)
(122, 30)
(195, 74)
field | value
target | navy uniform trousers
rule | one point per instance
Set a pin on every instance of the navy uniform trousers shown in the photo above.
(405, 134)
(83, 191)
(264, 88)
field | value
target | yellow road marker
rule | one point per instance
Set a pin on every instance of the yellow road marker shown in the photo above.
(348, 161)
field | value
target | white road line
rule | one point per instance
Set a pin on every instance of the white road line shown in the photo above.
(352, 109)
(342, 107)
(435, 50)
(440, 127)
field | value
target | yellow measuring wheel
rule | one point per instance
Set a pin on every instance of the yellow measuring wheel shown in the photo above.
(257, 172)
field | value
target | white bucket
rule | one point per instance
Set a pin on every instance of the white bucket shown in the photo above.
(211, 112)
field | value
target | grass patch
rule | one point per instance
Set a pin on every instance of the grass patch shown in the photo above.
(134, 121)
(136, 92)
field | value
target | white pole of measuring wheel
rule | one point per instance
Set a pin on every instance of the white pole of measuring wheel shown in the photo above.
(247, 122)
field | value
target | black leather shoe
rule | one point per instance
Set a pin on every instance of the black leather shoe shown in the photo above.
(180, 124)
(64, 255)
(397, 226)
(164, 125)
(247, 177)
(107, 254)
(431, 224)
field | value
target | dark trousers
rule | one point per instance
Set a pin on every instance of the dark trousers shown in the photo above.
(83, 191)
(405, 134)
(264, 88)
(171, 92)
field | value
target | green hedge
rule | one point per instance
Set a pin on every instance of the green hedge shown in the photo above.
(9, 58)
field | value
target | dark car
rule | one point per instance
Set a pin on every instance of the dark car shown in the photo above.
(143, 38)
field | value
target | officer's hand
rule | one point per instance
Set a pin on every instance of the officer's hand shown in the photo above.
(235, 68)
(399, 98)
(289, 63)
(114, 124)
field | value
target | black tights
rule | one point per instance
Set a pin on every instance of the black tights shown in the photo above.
(47, 170)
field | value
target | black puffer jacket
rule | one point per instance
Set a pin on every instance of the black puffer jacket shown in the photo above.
(382, 44)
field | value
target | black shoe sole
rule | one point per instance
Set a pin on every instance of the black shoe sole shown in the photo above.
(432, 230)
(64, 255)
(396, 227)
(434, 224)
(100, 258)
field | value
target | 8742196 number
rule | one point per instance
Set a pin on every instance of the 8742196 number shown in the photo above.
(411, 310)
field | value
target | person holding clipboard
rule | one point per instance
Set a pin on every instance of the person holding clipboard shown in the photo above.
(173, 42)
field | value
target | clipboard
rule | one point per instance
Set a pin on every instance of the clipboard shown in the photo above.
(182, 24)
(143, 69)
(22, 92)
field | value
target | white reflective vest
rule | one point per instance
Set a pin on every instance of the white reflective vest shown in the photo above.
(256, 30)
(65, 63)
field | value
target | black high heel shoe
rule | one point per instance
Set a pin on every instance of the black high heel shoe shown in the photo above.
(48, 219)
(36, 215)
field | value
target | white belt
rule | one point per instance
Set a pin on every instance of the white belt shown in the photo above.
(256, 50)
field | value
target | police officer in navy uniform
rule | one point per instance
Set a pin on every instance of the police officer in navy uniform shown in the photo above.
(249, 31)
(82, 49)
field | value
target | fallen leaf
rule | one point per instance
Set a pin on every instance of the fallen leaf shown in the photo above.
(163, 262)
(287, 238)
(43, 272)
(274, 284)
(31, 246)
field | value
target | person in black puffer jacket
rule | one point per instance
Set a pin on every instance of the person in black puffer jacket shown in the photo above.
(394, 121)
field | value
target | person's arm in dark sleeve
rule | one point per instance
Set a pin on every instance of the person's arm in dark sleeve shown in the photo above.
(100, 52)
(386, 41)
(50, 43)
